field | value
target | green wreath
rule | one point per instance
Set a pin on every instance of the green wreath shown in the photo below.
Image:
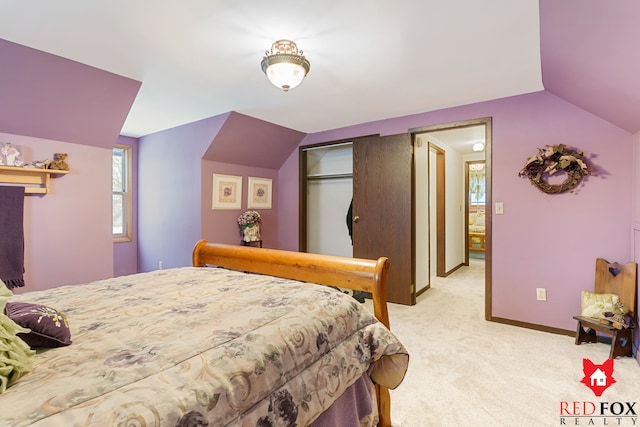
(554, 159)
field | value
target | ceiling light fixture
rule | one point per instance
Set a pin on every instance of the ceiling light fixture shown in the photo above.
(284, 65)
(478, 146)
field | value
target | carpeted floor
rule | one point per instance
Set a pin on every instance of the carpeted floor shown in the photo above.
(465, 371)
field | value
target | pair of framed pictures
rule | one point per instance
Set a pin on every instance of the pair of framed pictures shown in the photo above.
(227, 192)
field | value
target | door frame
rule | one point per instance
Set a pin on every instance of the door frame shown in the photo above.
(487, 122)
(441, 216)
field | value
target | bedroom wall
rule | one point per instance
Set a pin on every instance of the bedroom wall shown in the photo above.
(288, 202)
(221, 226)
(68, 236)
(635, 228)
(542, 240)
(170, 194)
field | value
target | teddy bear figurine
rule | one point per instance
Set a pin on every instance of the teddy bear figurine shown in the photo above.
(619, 318)
(59, 162)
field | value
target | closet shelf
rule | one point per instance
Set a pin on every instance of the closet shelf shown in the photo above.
(329, 176)
(35, 181)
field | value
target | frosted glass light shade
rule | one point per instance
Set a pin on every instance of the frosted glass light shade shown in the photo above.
(285, 75)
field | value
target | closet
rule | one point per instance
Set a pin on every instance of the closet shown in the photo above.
(329, 189)
(380, 180)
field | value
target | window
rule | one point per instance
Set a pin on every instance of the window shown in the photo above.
(477, 184)
(121, 178)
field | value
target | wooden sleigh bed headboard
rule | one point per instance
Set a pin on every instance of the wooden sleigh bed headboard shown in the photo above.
(351, 273)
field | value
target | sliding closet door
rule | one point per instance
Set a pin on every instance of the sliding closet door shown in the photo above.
(382, 209)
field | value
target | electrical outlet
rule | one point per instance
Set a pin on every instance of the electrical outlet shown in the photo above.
(541, 294)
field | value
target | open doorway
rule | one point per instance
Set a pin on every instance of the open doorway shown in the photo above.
(476, 209)
(450, 238)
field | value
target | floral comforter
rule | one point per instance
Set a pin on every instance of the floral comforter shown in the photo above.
(200, 346)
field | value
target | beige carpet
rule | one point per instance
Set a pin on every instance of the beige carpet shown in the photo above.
(465, 371)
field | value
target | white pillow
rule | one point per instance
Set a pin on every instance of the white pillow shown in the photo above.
(594, 305)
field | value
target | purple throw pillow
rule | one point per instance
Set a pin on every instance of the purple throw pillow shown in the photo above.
(49, 327)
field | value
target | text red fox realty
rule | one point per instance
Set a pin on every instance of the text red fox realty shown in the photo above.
(589, 413)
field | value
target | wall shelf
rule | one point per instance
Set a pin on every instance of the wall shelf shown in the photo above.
(35, 181)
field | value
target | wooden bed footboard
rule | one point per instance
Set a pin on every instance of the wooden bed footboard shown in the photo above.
(351, 273)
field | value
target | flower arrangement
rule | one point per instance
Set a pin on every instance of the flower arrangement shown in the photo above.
(249, 218)
(554, 159)
(249, 223)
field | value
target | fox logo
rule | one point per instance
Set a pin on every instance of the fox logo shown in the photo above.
(598, 377)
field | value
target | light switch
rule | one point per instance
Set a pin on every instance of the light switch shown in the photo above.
(499, 208)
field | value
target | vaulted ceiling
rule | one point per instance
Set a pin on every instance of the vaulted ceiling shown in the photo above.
(369, 61)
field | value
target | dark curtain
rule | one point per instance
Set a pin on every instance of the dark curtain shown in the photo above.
(12, 236)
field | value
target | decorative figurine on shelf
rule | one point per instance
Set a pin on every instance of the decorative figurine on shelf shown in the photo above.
(59, 162)
(249, 223)
(39, 164)
(10, 155)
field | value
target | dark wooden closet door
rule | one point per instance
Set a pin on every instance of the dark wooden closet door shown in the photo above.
(382, 209)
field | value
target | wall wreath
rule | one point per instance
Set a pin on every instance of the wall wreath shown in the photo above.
(554, 159)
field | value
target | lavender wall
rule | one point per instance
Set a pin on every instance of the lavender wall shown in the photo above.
(288, 202)
(125, 254)
(68, 236)
(170, 194)
(221, 225)
(635, 242)
(548, 241)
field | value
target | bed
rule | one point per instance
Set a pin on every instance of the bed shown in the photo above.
(239, 338)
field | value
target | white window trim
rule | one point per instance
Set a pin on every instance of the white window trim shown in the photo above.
(127, 236)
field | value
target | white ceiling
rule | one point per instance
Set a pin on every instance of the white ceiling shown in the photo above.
(370, 60)
(460, 139)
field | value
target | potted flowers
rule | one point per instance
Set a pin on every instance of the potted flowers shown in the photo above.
(249, 223)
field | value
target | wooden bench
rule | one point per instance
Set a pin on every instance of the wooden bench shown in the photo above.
(621, 339)
(611, 278)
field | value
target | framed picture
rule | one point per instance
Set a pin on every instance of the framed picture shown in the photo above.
(259, 196)
(227, 192)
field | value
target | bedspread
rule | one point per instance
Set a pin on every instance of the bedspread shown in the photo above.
(190, 346)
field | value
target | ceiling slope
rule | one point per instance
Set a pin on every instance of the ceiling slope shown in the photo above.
(50, 97)
(590, 56)
(247, 141)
